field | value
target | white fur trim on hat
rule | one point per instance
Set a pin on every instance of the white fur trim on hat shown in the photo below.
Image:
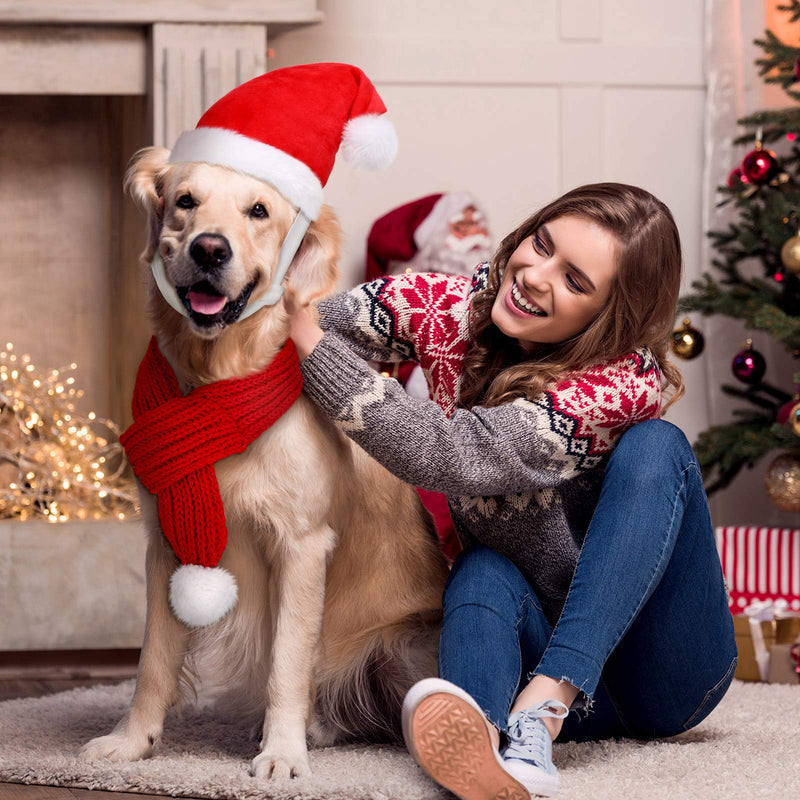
(201, 596)
(291, 177)
(369, 142)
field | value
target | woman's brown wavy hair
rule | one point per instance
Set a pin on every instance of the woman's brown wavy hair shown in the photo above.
(640, 310)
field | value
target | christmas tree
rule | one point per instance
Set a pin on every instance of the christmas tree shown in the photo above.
(765, 191)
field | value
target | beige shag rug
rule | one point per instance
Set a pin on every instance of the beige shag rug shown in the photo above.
(748, 748)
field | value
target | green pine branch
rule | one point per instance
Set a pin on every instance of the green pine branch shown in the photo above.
(774, 123)
(723, 450)
(777, 64)
(793, 9)
(752, 302)
(761, 395)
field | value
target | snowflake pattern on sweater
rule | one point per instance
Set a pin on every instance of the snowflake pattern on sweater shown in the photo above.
(420, 317)
(523, 477)
(425, 317)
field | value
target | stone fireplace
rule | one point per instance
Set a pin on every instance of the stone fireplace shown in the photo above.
(83, 85)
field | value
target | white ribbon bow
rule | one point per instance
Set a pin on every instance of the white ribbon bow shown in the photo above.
(764, 611)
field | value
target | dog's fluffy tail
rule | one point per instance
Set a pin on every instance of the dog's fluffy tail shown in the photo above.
(364, 702)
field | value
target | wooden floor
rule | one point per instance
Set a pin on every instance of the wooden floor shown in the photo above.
(16, 791)
(45, 672)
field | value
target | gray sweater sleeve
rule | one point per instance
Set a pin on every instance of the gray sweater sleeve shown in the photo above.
(510, 448)
(369, 330)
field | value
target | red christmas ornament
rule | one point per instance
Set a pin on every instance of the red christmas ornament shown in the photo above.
(737, 178)
(759, 165)
(749, 365)
(785, 410)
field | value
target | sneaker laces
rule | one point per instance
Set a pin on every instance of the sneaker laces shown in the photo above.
(528, 734)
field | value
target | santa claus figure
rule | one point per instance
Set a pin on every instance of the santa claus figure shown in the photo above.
(439, 233)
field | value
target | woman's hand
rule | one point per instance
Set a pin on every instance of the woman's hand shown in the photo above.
(303, 328)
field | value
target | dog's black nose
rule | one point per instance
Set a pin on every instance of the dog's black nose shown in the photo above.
(210, 251)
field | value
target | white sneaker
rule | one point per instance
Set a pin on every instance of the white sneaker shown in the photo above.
(529, 755)
(448, 735)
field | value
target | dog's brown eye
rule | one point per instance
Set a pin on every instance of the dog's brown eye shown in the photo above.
(259, 211)
(185, 201)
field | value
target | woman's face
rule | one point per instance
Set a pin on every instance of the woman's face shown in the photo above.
(556, 282)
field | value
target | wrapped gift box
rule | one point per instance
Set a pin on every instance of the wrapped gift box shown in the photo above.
(760, 564)
(784, 662)
(779, 636)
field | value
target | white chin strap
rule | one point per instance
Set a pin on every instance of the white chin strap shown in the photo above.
(290, 246)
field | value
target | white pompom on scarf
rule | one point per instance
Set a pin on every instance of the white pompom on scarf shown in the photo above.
(201, 596)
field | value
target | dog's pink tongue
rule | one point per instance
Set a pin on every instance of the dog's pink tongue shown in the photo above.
(204, 303)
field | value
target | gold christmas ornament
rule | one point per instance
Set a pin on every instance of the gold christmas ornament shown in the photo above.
(790, 254)
(687, 342)
(782, 480)
(794, 419)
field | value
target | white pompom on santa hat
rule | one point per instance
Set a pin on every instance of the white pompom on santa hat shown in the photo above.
(285, 127)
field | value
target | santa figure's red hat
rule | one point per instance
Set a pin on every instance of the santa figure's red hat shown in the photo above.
(285, 128)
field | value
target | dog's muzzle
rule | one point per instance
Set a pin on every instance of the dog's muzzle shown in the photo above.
(291, 244)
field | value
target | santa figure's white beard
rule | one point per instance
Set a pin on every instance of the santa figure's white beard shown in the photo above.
(477, 241)
(438, 255)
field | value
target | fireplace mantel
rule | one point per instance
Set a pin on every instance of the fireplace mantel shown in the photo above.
(181, 54)
(148, 12)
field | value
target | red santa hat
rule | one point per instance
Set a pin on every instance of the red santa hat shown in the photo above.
(285, 128)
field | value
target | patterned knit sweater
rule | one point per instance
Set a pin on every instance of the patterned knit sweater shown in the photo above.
(522, 478)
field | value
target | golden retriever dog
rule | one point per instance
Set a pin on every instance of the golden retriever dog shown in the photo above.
(339, 573)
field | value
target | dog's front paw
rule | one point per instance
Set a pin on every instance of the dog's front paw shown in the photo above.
(117, 746)
(279, 763)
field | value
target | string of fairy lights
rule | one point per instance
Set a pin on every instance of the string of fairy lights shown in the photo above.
(54, 462)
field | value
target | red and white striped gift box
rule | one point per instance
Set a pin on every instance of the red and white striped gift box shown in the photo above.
(760, 564)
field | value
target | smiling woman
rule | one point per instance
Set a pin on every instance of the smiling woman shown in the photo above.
(589, 577)
(544, 296)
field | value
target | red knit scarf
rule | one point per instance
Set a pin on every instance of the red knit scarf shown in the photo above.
(175, 440)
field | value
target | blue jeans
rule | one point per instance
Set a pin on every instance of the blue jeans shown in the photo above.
(646, 633)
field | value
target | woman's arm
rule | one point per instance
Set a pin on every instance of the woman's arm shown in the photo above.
(397, 318)
(511, 448)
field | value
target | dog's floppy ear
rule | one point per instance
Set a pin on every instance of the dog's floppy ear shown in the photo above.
(144, 182)
(314, 271)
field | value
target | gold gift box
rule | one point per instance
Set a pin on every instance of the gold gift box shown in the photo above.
(777, 631)
(782, 667)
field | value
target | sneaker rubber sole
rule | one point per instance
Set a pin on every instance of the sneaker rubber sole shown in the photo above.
(538, 782)
(448, 737)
